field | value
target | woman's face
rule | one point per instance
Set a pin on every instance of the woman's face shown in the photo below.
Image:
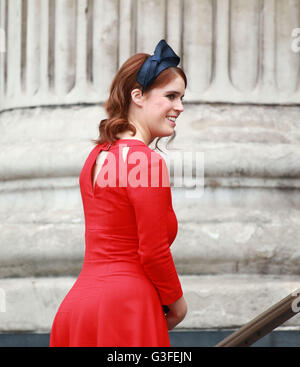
(162, 106)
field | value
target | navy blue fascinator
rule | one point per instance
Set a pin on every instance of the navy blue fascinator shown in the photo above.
(163, 58)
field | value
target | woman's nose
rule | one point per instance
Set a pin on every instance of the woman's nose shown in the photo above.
(179, 106)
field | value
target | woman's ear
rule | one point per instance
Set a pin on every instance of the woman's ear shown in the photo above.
(137, 97)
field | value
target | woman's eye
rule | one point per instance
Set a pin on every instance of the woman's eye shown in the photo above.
(171, 96)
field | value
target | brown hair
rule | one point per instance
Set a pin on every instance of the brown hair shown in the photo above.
(119, 100)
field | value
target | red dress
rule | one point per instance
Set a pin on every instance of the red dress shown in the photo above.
(128, 272)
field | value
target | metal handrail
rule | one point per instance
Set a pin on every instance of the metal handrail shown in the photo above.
(264, 323)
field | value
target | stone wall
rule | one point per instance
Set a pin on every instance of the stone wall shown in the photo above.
(67, 52)
(237, 246)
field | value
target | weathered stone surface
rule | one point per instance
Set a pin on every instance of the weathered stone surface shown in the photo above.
(31, 303)
(210, 240)
(247, 218)
(73, 49)
(237, 142)
(238, 231)
(223, 301)
(227, 301)
(246, 221)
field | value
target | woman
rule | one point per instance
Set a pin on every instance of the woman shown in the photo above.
(128, 278)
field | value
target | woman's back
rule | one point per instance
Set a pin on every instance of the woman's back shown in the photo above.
(128, 272)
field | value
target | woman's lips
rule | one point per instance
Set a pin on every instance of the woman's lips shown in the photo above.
(172, 122)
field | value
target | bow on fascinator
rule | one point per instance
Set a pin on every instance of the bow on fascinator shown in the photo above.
(163, 58)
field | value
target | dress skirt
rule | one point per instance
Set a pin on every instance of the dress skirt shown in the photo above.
(106, 295)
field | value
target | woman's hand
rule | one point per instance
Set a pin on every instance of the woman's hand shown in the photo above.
(177, 313)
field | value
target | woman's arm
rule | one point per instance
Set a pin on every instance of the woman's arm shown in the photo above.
(151, 207)
(177, 312)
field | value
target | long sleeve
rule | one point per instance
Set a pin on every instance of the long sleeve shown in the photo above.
(151, 206)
